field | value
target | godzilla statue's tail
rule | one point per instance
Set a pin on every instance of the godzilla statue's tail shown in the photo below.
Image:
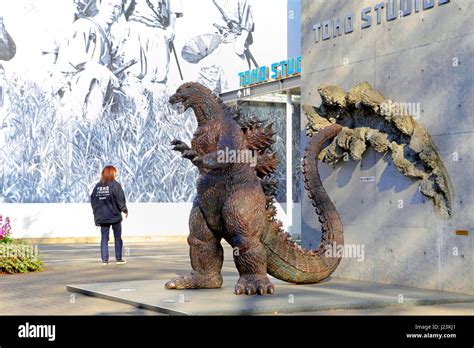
(287, 261)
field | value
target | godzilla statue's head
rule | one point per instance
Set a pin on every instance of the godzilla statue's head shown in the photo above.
(201, 99)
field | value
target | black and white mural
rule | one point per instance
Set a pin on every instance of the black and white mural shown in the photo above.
(89, 84)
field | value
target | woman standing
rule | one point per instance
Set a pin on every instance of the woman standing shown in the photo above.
(108, 204)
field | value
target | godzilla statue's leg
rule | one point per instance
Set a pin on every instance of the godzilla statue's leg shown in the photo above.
(207, 256)
(244, 220)
(251, 262)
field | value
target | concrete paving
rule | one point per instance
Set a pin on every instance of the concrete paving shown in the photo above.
(332, 294)
(45, 293)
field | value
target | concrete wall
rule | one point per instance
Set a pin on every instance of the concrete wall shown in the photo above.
(74, 221)
(409, 59)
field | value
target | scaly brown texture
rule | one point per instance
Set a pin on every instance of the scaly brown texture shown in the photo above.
(235, 202)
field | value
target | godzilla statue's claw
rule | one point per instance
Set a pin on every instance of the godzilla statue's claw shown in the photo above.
(250, 290)
(251, 285)
(197, 161)
(239, 289)
(190, 154)
(170, 285)
(179, 146)
(195, 281)
(178, 283)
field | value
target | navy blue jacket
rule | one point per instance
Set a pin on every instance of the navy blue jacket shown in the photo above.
(108, 202)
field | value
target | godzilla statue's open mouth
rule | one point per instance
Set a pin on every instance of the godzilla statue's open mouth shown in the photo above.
(178, 104)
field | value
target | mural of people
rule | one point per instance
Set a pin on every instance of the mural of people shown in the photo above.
(52, 38)
(7, 52)
(150, 38)
(7, 45)
(69, 93)
(86, 61)
(235, 25)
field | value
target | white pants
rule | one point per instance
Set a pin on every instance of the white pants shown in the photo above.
(149, 47)
(85, 97)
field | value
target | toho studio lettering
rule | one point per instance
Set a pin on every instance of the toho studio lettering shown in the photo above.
(276, 71)
(389, 10)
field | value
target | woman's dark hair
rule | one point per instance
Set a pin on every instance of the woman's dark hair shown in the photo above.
(108, 174)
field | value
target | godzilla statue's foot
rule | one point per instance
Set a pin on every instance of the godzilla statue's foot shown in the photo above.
(195, 281)
(254, 284)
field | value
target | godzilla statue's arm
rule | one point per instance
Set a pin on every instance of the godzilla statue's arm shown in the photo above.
(184, 149)
(209, 161)
(217, 159)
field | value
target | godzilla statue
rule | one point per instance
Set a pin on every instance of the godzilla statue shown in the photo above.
(235, 202)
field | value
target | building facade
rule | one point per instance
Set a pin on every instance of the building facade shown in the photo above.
(414, 52)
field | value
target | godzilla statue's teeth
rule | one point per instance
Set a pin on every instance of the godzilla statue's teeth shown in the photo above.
(179, 107)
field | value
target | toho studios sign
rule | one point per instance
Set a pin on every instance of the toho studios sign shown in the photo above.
(393, 9)
(276, 71)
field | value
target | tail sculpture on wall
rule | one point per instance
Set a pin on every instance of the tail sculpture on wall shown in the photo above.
(369, 118)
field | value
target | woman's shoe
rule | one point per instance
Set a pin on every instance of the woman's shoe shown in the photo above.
(105, 263)
(121, 262)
